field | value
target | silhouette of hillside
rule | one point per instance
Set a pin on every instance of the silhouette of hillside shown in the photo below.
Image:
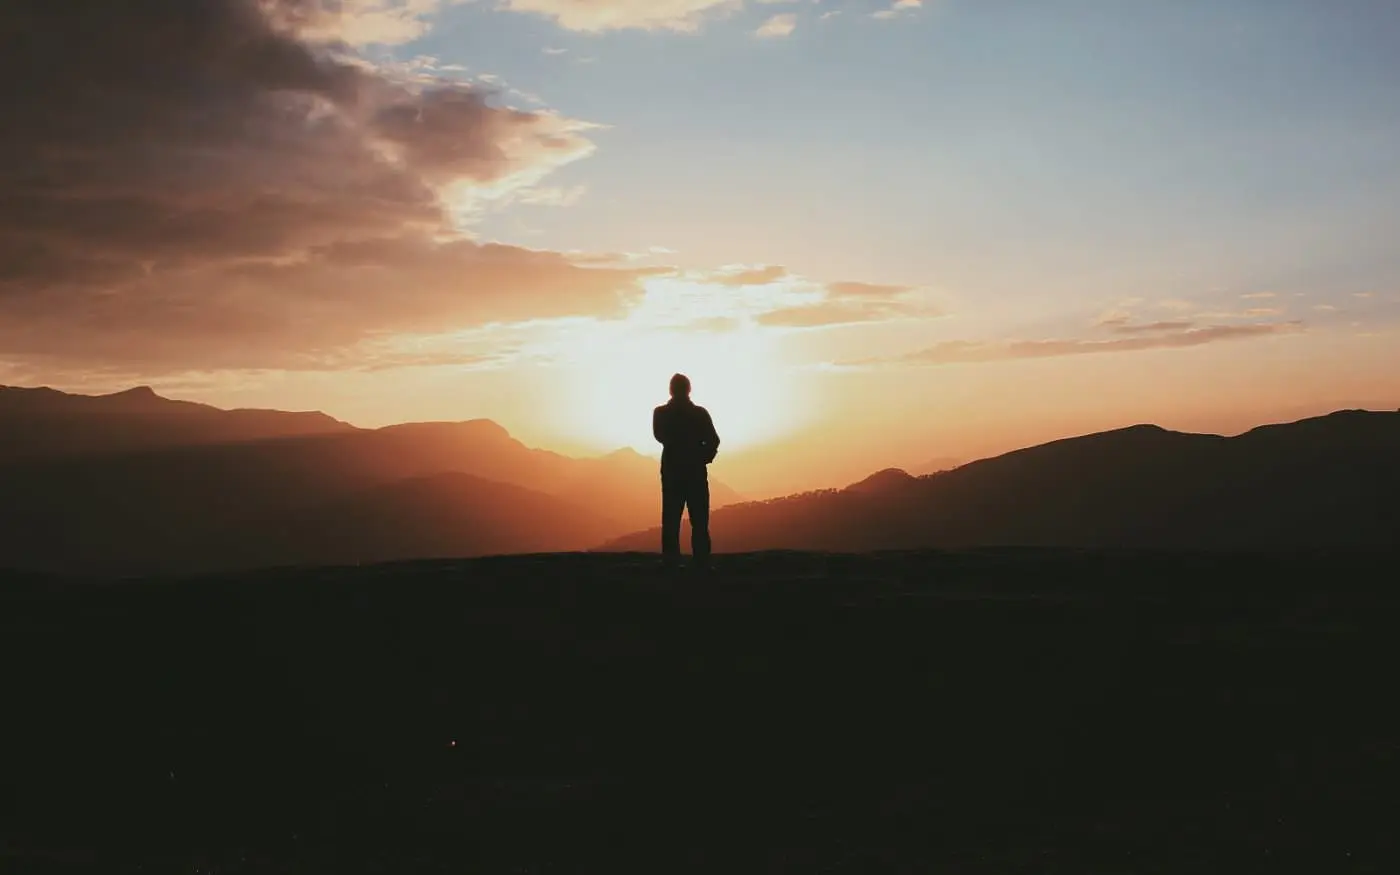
(190, 500)
(45, 423)
(1326, 481)
(935, 466)
(433, 517)
(887, 482)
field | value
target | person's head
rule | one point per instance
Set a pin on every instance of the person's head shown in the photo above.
(680, 386)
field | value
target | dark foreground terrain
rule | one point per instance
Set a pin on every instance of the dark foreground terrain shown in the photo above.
(994, 712)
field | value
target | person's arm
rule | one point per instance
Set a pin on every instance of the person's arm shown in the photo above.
(711, 439)
(656, 429)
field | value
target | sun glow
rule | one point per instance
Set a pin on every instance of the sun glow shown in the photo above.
(734, 375)
(620, 372)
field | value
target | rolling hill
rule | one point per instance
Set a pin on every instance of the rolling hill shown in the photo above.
(1329, 481)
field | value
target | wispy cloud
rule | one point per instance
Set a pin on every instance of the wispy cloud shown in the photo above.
(840, 312)
(899, 7)
(963, 351)
(1153, 327)
(747, 276)
(551, 196)
(1177, 304)
(847, 303)
(711, 324)
(681, 16)
(848, 289)
(1251, 313)
(356, 22)
(777, 26)
(595, 16)
(771, 296)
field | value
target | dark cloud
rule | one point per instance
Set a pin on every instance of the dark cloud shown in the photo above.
(196, 183)
(958, 351)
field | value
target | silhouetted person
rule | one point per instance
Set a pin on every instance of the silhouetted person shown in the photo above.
(688, 443)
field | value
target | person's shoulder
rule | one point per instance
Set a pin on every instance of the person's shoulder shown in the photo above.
(659, 408)
(702, 411)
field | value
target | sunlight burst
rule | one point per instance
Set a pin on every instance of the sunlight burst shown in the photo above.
(622, 373)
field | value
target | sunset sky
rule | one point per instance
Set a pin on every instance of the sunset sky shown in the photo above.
(873, 233)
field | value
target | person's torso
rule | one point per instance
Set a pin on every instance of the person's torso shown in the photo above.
(685, 433)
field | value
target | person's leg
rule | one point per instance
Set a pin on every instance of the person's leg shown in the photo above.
(672, 504)
(698, 498)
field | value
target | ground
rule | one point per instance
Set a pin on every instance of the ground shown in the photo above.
(998, 711)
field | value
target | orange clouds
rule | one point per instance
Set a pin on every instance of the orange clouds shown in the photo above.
(847, 302)
(601, 15)
(1163, 335)
(869, 291)
(357, 22)
(835, 312)
(206, 185)
(757, 276)
(776, 298)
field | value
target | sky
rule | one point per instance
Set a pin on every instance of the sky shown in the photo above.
(874, 232)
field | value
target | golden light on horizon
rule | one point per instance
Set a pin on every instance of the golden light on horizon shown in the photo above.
(617, 371)
(619, 376)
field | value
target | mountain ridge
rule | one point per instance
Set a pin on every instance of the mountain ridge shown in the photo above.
(164, 497)
(1326, 480)
(45, 423)
(193, 488)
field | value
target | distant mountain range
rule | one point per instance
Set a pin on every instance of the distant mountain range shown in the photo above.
(133, 483)
(1330, 481)
(137, 483)
(45, 423)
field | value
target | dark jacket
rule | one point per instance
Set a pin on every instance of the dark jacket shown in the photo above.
(686, 434)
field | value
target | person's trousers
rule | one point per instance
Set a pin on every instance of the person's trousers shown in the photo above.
(687, 489)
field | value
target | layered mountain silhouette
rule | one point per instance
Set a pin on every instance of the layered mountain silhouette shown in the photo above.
(45, 423)
(133, 483)
(1330, 481)
(136, 483)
